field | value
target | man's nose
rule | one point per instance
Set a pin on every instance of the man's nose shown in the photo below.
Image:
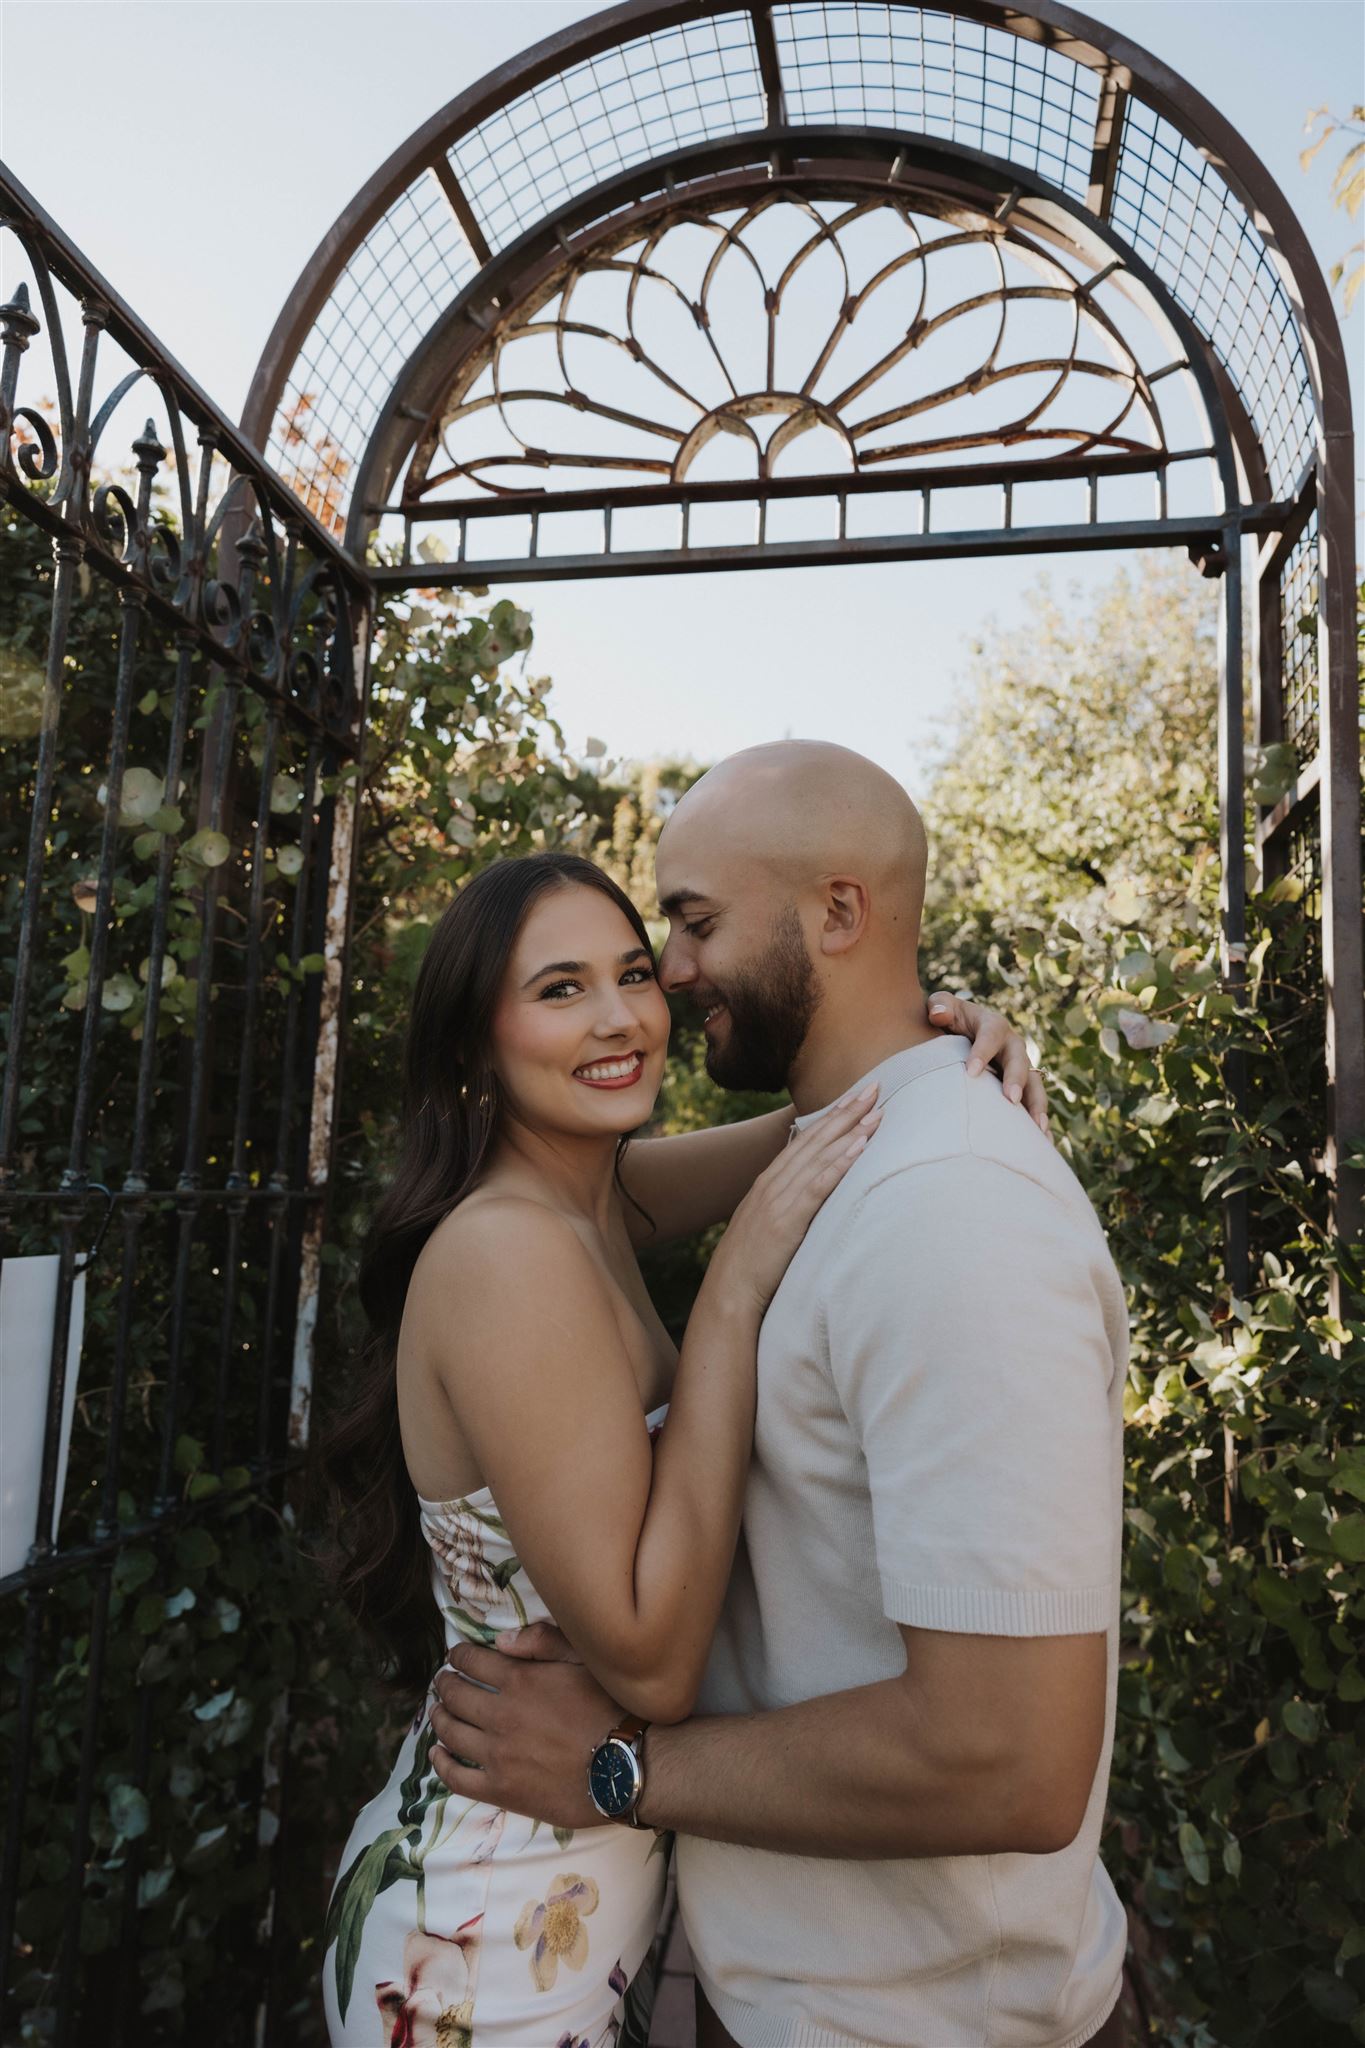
(677, 969)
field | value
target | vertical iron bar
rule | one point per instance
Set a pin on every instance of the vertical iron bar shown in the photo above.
(68, 553)
(280, 1220)
(340, 890)
(1267, 689)
(1231, 833)
(1339, 826)
(342, 841)
(239, 1179)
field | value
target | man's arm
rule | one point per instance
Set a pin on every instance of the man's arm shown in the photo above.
(985, 1745)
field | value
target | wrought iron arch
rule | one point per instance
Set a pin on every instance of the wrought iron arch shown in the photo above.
(1038, 136)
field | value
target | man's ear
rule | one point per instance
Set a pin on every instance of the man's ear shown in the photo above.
(846, 910)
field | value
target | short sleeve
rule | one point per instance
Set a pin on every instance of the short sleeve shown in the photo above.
(969, 1314)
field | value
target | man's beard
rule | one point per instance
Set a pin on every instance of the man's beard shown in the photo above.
(769, 1008)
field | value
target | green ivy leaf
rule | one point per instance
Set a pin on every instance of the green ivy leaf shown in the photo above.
(1348, 1538)
(149, 1614)
(133, 1569)
(1331, 1997)
(1351, 1682)
(210, 1709)
(129, 1811)
(195, 1550)
(1300, 1718)
(1193, 1851)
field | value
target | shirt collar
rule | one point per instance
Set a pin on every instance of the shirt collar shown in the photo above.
(903, 1067)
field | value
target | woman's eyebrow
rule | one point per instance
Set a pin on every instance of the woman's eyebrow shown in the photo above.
(580, 966)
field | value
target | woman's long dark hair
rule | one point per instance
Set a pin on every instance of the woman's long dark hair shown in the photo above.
(449, 1117)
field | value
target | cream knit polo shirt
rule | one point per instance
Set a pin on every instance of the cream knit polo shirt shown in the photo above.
(939, 1444)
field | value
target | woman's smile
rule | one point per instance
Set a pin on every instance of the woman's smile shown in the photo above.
(621, 1072)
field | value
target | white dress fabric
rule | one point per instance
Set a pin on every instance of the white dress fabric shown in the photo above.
(456, 1925)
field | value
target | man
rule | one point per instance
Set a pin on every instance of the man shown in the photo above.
(889, 1802)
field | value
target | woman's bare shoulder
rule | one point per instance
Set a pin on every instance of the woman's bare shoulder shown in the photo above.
(496, 1238)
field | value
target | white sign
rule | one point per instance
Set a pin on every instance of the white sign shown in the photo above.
(28, 1308)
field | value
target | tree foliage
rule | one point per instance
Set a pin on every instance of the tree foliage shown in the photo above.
(1075, 831)
(1348, 187)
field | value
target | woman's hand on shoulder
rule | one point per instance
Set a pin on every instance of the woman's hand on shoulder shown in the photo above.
(774, 1216)
(995, 1043)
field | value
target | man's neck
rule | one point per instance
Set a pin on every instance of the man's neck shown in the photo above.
(834, 1059)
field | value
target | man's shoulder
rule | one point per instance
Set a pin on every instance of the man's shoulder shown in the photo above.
(952, 1152)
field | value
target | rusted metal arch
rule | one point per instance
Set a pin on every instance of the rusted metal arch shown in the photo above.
(1121, 65)
(955, 182)
(1311, 534)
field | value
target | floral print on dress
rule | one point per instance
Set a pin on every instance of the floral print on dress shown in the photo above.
(422, 1860)
(475, 1589)
(434, 2007)
(552, 1928)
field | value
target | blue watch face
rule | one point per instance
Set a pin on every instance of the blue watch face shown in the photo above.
(611, 1778)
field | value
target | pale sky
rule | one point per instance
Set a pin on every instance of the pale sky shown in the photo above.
(197, 151)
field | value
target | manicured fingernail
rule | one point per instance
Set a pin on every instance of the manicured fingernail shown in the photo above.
(1014, 1091)
(975, 1066)
(874, 1116)
(857, 1145)
(938, 1004)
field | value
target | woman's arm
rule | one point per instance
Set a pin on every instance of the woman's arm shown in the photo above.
(693, 1179)
(696, 1178)
(630, 1549)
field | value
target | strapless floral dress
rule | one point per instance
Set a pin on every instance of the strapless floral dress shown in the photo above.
(456, 1925)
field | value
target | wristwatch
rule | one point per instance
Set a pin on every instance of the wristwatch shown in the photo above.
(616, 1772)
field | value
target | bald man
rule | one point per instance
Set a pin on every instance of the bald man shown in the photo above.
(888, 1804)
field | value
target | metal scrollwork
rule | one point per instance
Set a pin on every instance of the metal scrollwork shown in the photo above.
(645, 355)
(209, 537)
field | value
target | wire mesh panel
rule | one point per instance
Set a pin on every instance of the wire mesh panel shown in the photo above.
(182, 713)
(648, 96)
(931, 72)
(1179, 212)
(391, 290)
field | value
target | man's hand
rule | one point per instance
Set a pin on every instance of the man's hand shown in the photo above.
(528, 1716)
(995, 1043)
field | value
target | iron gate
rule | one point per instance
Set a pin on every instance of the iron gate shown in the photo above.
(186, 670)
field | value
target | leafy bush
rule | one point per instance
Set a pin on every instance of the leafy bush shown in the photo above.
(1240, 1754)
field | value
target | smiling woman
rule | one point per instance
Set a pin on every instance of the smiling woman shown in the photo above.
(500, 1467)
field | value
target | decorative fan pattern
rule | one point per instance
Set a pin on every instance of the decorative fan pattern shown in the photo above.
(791, 336)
